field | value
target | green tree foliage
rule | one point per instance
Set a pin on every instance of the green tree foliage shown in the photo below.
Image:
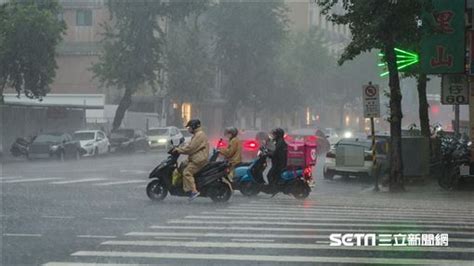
(248, 38)
(134, 45)
(189, 66)
(383, 25)
(29, 33)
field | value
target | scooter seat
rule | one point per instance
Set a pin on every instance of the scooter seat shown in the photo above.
(209, 166)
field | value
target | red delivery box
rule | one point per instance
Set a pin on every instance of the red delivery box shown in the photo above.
(301, 154)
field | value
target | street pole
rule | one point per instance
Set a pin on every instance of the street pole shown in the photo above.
(374, 157)
(456, 118)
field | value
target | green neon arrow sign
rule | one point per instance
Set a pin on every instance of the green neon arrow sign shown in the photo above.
(404, 60)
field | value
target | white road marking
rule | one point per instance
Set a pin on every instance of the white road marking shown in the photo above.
(21, 235)
(96, 236)
(120, 219)
(347, 217)
(264, 206)
(234, 235)
(175, 238)
(121, 182)
(10, 177)
(85, 264)
(134, 171)
(32, 180)
(57, 217)
(335, 230)
(267, 258)
(251, 240)
(398, 225)
(279, 246)
(346, 212)
(77, 181)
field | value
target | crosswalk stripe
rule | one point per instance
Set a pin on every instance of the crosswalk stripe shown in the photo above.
(32, 180)
(335, 230)
(348, 217)
(77, 181)
(398, 225)
(234, 235)
(85, 264)
(282, 229)
(316, 211)
(121, 182)
(9, 177)
(279, 246)
(352, 208)
(266, 258)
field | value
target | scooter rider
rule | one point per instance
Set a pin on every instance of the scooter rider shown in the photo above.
(197, 151)
(278, 155)
(233, 153)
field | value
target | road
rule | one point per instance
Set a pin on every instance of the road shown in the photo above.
(95, 211)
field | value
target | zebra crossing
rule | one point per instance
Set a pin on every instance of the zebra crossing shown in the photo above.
(65, 181)
(287, 232)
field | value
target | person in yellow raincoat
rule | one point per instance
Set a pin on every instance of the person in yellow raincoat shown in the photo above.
(233, 152)
(198, 152)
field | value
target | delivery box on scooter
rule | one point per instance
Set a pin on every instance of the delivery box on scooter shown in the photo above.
(301, 154)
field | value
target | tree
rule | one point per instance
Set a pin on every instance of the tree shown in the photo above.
(30, 31)
(376, 24)
(189, 68)
(248, 38)
(134, 46)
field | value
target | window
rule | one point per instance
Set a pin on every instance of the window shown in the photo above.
(84, 17)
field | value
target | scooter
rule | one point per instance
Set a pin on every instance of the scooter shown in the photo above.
(211, 181)
(249, 179)
(20, 147)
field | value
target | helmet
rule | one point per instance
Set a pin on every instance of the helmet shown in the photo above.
(194, 124)
(278, 133)
(232, 131)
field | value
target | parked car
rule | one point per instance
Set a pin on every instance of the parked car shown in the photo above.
(93, 142)
(128, 140)
(187, 136)
(349, 157)
(161, 137)
(55, 145)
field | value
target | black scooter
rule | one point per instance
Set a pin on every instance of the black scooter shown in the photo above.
(211, 181)
(20, 147)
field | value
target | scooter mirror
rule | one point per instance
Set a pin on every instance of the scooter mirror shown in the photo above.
(181, 140)
(172, 142)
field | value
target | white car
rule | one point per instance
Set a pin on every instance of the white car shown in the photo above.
(187, 136)
(93, 142)
(162, 136)
(349, 157)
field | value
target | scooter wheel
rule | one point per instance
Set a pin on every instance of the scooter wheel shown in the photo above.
(156, 191)
(301, 191)
(220, 193)
(248, 189)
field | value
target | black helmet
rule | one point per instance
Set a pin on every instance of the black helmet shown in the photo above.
(194, 124)
(278, 133)
(232, 131)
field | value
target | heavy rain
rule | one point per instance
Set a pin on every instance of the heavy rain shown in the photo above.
(236, 132)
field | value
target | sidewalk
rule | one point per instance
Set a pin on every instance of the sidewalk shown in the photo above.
(428, 195)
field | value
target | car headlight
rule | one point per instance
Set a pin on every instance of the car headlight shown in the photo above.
(348, 134)
(162, 140)
(54, 147)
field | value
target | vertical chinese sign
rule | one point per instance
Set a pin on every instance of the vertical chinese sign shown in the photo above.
(443, 41)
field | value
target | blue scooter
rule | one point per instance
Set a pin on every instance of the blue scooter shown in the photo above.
(248, 178)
